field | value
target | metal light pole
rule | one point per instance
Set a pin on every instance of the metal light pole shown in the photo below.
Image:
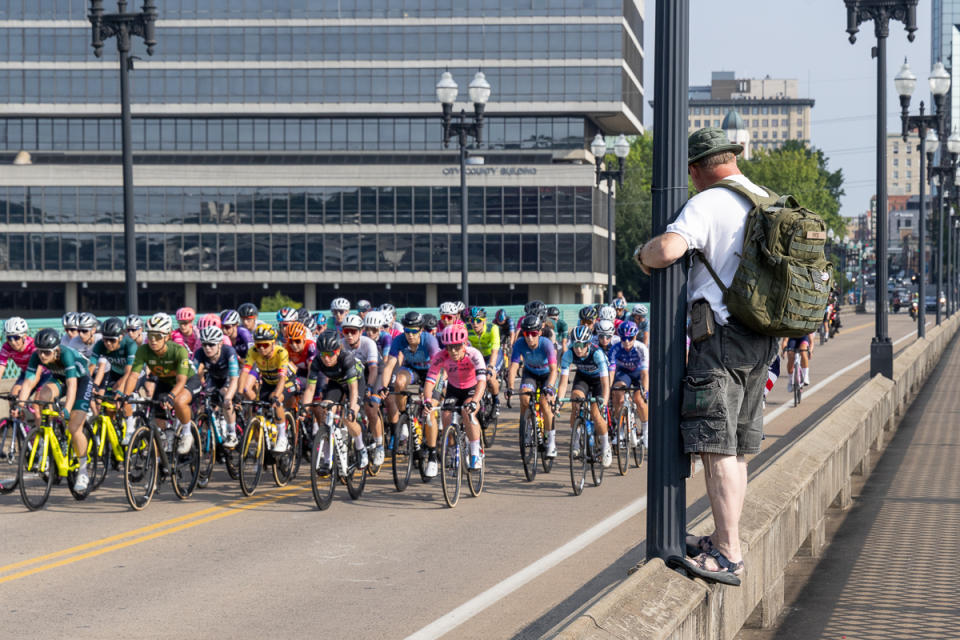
(881, 12)
(942, 175)
(669, 466)
(123, 25)
(479, 90)
(621, 148)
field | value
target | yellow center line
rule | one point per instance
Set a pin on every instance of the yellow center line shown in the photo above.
(231, 507)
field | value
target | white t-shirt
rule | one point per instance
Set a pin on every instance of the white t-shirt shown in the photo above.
(713, 222)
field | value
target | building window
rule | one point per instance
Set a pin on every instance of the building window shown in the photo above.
(773, 135)
(755, 110)
(775, 110)
(896, 161)
(764, 109)
(696, 123)
(800, 122)
(896, 149)
(696, 111)
(909, 162)
(716, 110)
(716, 123)
(896, 175)
(909, 175)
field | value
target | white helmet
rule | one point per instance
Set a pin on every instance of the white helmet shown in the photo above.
(449, 309)
(388, 313)
(211, 334)
(352, 321)
(15, 326)
(159, 323)
(461, 305)
(88, 321)
(607, 312)
(340, 304)
(289, 315)
(639, 310)
(605, 327)
(70, 320)
(372, 320)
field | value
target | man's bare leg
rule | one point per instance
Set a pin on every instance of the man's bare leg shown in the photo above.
(726, 479)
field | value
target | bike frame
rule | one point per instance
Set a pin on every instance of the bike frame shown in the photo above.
(51, 444)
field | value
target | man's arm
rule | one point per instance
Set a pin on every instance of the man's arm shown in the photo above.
(662, 251)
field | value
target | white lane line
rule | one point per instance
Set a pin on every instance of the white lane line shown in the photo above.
(776, 413)
(507, 586)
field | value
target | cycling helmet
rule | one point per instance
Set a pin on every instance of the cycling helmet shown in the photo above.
(87, 321)
(607, 313)
(412, 320)
(229, 317)
(453, 334)
(296, 331)
(186, 314)
(328, 342)
(619, 303)
(448, 309)
(531, 322)
(588, 313)
(248, 310)
(533, 306)
(352, 321)
(363, 306)
(47, 339)
(605, 327)
(15, 326)
(628, 330)
(461, 305)
(500, 317)
(319, 318)
(134, 322)
(264, 333)
(386, 307)
(639, 310)
(429, 321)
(302, 314)
(340, 304)
(580, 333)
(373, 320)
(209, 320)
(478, 312)
(159, 323)
(287, 314)
(310, 324)
(70, 320)
(553, 312)
(112, 328)
(211, 334)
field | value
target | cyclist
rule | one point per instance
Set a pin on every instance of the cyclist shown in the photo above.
(592, 379)
(212, 320)
(559, 326)
(186, 335)
(631, 364)
(249, 317)
(272, 362)
(485, 338)
(339, 309)
(588, 316)
(177, 380)
(606, 312)
(449, 314)
(19, 346)
(605, 338)
(365, 351)
(113, 354)
(285, 317)
(70, 378)
(373, 329)
(70, 326)
(410, 356)
(791, 346)
(134, 327)
(639, 317)
(301, 349)
(342, 378)
(466, 381)
(310, 324)
(534, 307)
(506, 326)
(539, 371)
(389, 314)
(620, 306)
(363, 308)
(219, 369)
(321, 322)
(240, 337)
(430, 324)
(87, 335)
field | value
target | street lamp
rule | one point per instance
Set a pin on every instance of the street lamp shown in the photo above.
(123, 25)
(479, 90)
(881, 12)
(943, 177)
(926, 125)
(620, 148)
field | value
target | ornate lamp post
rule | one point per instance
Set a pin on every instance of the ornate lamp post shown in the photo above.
(620, 148)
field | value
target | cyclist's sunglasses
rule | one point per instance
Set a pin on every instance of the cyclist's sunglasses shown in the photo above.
(351, 332)
(531, 334)
(330, 354)
(85, 331)
(152, 335)
(46, 352)
(71, 330)
(448, 318)
(479, 321)
(581, 345)
(133, 330)
(412, 331)
(296, 342)
(456, 347)
(262, 345)
(209, 345)
(14, 338)
(111, 340)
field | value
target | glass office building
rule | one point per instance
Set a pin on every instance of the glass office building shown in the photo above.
(295, 146)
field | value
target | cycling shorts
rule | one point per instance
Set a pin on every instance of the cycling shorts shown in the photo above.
(417, 376)
(532, 381)
(462, 396)
(337, 392)
(587, 385)
(45, 377)
(291, 388)
(629, 378)
(794, 344)
(193, 385)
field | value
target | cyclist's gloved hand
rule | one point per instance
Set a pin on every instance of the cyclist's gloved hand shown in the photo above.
(550, 391)
(165, 398)
(470, 406)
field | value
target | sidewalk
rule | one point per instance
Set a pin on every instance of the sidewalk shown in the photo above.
(892, 567)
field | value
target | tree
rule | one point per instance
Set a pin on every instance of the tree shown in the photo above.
(277, 301)
(633, 217)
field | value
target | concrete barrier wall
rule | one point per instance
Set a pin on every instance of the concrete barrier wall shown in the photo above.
(784, 512)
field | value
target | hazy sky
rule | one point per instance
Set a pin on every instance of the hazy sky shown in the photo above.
(807, 40)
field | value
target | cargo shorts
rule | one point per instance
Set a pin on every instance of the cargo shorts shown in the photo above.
(722, 404)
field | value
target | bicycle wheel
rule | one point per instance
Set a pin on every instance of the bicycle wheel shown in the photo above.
(451, 461)
(356, 477)
(208, 449)
(596, 460)
(101, 449)
(402, 461)
(283, 463)
(231, 457)
(528, 444)
(93, 463)
(323, 476)
(35, 471)
(303, 445)
(488, 431)
(372, 469)
(578, 457)
(140, 467)
(623, 443)
(639, 449)
(474, 476)
(11, 441)
(186, 466)
(252, 452)
(797, 388)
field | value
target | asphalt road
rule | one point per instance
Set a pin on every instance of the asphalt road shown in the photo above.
(515, 562)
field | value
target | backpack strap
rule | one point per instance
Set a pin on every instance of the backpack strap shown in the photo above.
(699, 254)
(756, 200)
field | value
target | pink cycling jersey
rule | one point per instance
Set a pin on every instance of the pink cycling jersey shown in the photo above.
(20, 358)
(463, 373)
(191, 342)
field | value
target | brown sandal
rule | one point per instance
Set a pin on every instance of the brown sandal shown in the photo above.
(728, 573)
(698, 544)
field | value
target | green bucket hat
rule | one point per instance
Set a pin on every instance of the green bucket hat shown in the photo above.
(708, 141)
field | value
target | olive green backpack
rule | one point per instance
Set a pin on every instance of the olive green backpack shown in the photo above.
(782, 284)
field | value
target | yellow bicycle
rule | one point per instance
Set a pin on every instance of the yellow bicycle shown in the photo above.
(43, 461)
(107, 440)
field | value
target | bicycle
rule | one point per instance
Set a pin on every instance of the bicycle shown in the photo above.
(583, 446)
(259, 437)
(213, 432)
(409, 449)
(533, 442)
(105, 435)
(43, 461)
(487, 416)
(146, 459)
(796, 378)
(627, 425)
(453, 458)
(822, 332)
(334, 455)
(13, 433)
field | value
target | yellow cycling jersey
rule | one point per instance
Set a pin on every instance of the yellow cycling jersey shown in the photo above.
(269, 368)
(487, 341)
